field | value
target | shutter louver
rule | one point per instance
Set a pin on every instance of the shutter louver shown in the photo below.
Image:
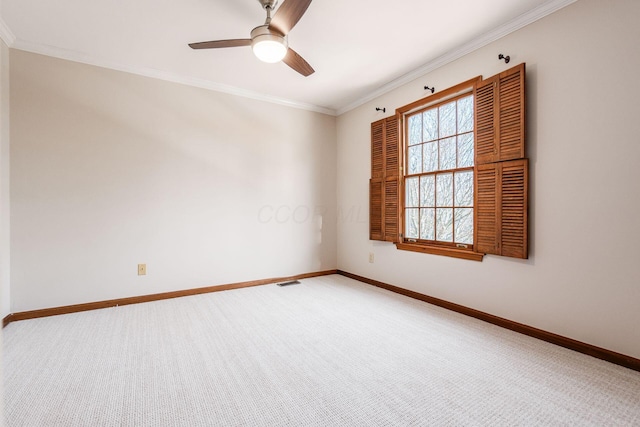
(391, 197)
(484, 95)
(514, 176)
(375, 209)
(391, 147)
(511, 118)
(376, 149)
(486, 210)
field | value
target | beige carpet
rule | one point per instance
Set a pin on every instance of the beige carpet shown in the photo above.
(328, 352)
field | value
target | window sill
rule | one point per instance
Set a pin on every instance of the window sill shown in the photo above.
(452, 252)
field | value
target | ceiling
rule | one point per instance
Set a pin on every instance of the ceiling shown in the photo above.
(359, 48)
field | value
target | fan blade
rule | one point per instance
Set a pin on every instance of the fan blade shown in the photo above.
(297, 62)
(288, 15)
(220, 43)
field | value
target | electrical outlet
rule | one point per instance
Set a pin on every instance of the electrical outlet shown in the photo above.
(142, 269)
(371, 257)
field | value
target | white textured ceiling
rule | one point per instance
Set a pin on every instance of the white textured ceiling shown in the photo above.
(357, 47)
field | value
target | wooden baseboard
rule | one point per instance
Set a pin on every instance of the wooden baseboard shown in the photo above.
(7, 319)
(591, 350)
(24, 315)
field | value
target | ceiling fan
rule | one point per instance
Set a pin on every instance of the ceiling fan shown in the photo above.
(269, 41)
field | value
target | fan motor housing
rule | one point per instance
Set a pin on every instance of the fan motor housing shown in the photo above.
(264, 33)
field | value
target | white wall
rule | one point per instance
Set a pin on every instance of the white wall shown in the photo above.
(5, 256)
(583, 276)
(109, 170)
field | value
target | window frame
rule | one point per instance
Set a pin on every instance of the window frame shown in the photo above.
(438, 248)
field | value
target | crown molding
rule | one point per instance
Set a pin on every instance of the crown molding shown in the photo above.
(519, 22)
(75, 56)
(6, 34)
(496, 34)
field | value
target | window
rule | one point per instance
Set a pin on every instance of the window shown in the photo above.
(438, 180)
(449, 175)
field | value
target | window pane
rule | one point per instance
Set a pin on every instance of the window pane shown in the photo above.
(444, 225)
(464, 188)
(444, 189)
(439, 196)
(415, 129)
(465, 114)
(430, 124)
(448, 153)
(465, 150)
(412, 192)
(427, 224)
(447, 115)
(464, 225)
(415, 159)
(427, 191)
(430, 157)
(411, 228)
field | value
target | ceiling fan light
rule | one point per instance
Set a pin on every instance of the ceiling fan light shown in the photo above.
(268, 45)
(269, 48)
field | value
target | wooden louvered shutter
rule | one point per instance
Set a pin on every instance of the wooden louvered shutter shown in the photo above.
(501, 208)
(511, 114)
(500, 117)
(384, 182)
(391, 180)
(376, 182)
(501, 169)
